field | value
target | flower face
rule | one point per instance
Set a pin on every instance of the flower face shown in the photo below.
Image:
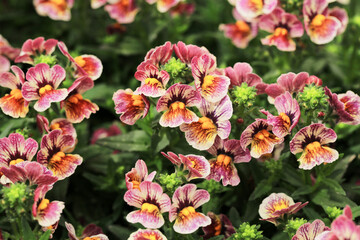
(215, 121)
(152, 203)
(289, 115)
(227, 152)
(13, 104)
(164, 5)
(32, 48)
(91, 232)
(123, 11)
(42, 83)
(283, 26)
(250, 9)
(138, 175)
(276, 205)
(311, 141)
(153, 81)
(52, 154)
(346, 105)
(185, 200)
(54, 9)
(198, 166)
(147, 234)
(131, 106)
(261, 139)
(220, 225)
(289, 82)
(175, 102)
(212, 87)
(309, 231)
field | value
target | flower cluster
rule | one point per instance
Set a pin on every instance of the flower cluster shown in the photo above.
(321, 23)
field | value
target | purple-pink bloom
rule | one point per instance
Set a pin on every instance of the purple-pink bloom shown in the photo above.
(159, 55)
(138, 175)
(309, 231)
(123, 11)
(187, 52)
(147, 234)
(220, 225)
(250, 9)
(90, 232)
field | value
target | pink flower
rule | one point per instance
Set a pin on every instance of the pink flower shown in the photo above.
(309, 231)
(283, 26)
(42, 83)
(90, 232)
(159, 55)
(4, 64)
(32, 48)
(314, 80)
(164, 5)
(212, 86)
(227, 152)
(185, 200)
(13, 104)
(54, 9)
(152, 203)
(52, 154)
(175, 102)
(100, 133)
(183, 8)
(214, 122)
(131, 106)
(289, 115)
(138, 175)
(123, 11)
(346, 105)
(147, 234)
(7, 50)
(220, 225)
(187, 52)
(250, 9)
(277, 205)
(312, 142)
(241, 32)
(261, 139)
(290, 82)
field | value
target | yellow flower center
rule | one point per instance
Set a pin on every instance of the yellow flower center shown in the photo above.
(91, 238)
(242, 26)
(206, 123)
(208, 81)
(318, 20)
(257, 4)
(43, 204)
(137, 101)
(184, 213)
(136, 184)
(223, 159)
(314, 146)
(286, 120)
(262, 135)
(60, 3)
(149, 236)
(57, 157)
(280, 32)
(153, 81)
(280, 205)
(177, 105)
(13, 162)
(148, 207)
(75, 98)
(80, 61)
(45, 89)
(16, 93)
(55, 126)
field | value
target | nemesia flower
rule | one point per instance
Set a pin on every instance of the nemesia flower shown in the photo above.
(346, 105)
(164, 5)
(32, 48)
(152, 203)
(13, 104)
(289, 115)
(290, 82)
(342, 228)
(312, 142)
(159, 55)
(259, 136)
(138, 175)
(174, 159)
(153, 81)
(314, 80)
(4, 64)
(283, 26)
(220, 225)
(241, 32)
(45, 212)
(54, 9)
(100, 133)
(309, 231)
(187, 52)
(175, 102)
(147, 234)
(319, 25)
(123, 11)
(212, 86)
(7, 50)
(90, 232)
(250, 9)
(131, 106)
(52, 154)
(76, 107)
(277, 205)
(42, 83)
(97, 3)
(342, 16)
(63, 124)
(185, 200)
(227, 152)
(182, 8)
(214, 122)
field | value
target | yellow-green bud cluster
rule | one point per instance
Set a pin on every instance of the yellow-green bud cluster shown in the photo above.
(244, 95)
(333, 212)
(23, 131)
(293, 225)
(178, 71)
(273, 165)
(170, 182)
(212, 186)
(48, 59)
(313, 97)
(247, 232)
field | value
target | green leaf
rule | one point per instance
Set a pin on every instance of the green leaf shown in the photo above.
(262, 188)
(304, 190)
(26, 230)
(333, 185)
(45, 236)
(130, 46)
(119, 231)
(134, 141)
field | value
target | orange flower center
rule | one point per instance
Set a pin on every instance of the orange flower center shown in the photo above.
(217, 227)
(136, 184)
(261, 135)
(149, 236)
(153, 81)
(280, 32)
(208, 81)
(257, 4)
(55, 126)
(207, 123)
(91, 238)
(57, 157)
(312, 147)
(13, 162)
(75, 98)
(318, 20)
(45, 89)
(242, 26)
(150, 208)
(43, 204)
(223, 159)
(177, 105)
(286, 120)
(16, 93)
(61, 3)
(80, 61)
(137, 101)
(184, 213)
